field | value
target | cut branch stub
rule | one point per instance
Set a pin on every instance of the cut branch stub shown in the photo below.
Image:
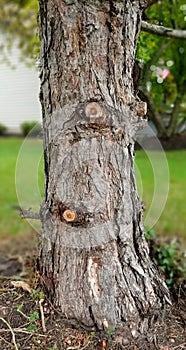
(141, 109)
(69, 215)
(93, 111)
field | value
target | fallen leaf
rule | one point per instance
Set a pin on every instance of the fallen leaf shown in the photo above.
(21, 284)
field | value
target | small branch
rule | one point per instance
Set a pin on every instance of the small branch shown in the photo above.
(22, 330)
(176, 347)
(27, 213)
(180, 125)
(163, 31)
(42, 315)
(79, 346)
(12, 332)
(22, 313)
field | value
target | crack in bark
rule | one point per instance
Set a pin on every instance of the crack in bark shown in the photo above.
(92, 318)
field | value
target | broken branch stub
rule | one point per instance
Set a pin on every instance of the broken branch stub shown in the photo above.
(69, 215)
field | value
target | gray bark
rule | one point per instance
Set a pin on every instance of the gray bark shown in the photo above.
(94, 261)
(163, 31)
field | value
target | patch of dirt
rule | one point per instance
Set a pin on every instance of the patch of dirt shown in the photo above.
(29, 321)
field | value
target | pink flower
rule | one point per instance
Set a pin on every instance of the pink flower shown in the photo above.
(163, 73)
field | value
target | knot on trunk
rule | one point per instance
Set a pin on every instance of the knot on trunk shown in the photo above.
(69, 215)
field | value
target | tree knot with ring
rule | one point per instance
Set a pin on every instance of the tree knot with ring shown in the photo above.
(93, 111)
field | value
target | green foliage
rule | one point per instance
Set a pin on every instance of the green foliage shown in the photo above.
(19, 307)
(37, 294)
(30, 127)
(150, 234)
(53, 347)
(161, 53)
(147, 46)
(2, 129)
(34, 316)
(110, 330)
(92, 334)
(18, 22)
(169, 258)
(32, 327)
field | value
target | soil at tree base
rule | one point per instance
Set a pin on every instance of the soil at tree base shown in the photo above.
(17, 261)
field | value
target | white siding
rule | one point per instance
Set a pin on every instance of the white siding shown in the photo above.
(19, 91)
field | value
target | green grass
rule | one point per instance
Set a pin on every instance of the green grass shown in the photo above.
(20, 183)
(27, 180)
(173, 219)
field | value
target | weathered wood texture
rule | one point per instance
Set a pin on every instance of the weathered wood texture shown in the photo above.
(93, 259)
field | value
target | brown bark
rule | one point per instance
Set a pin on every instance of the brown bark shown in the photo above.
(153, 114)
(176, 110)
(94, 260)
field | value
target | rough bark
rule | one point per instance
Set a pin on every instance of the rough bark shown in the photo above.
(94, 260)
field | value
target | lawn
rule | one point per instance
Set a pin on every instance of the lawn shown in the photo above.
(172, 220)
(21, 182)
(21, 174)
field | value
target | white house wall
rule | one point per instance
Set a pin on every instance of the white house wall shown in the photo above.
(19, 93)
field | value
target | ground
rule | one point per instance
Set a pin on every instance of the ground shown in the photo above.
(29, 321)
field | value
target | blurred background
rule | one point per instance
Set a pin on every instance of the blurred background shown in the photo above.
(161, 66)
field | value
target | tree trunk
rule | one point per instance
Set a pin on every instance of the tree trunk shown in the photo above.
(154, 116)
(145, 95)
(94, 260)
(176, 110)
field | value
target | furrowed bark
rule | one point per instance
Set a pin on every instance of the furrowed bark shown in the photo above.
(94, 260)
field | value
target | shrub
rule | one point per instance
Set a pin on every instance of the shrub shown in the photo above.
(30, 127)
(2, 129)
(168, 257)
(171, 261)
